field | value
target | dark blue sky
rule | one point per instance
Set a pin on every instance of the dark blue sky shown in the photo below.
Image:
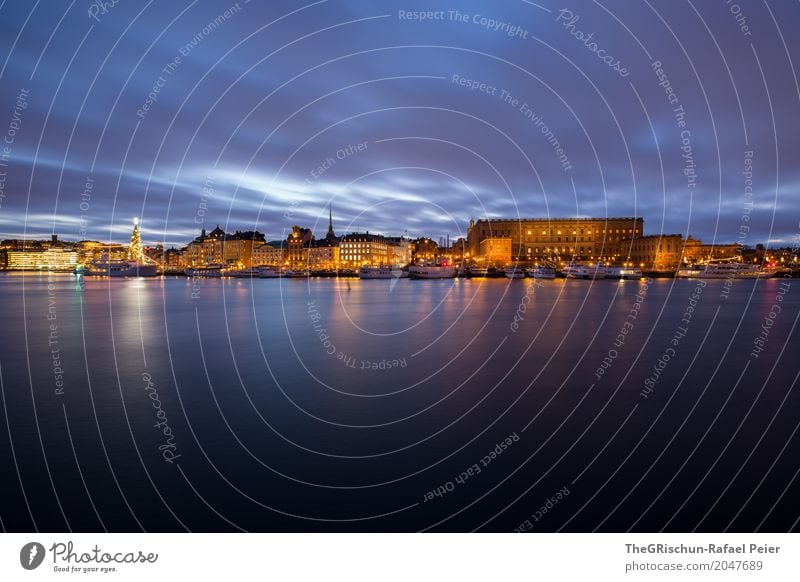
(266, 105)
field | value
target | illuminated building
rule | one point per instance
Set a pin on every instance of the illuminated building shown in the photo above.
(657, 252)
(558, 238)
(401, 250)
(424, 249)
(205, 250)
(458, 253)
(219, 248)
(695, 251)
(268, 255)
(297, 244)
(668, 251)
(173, 258)
(357, 249)
(495, 251)
(323, 255)
(90, 250)
(237, 248)
(49, 260)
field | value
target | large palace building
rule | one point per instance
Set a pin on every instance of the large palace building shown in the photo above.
(563, 239)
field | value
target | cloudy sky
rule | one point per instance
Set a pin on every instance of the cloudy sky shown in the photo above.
(263, 114)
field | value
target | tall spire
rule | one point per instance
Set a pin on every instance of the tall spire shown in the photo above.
(330, 235)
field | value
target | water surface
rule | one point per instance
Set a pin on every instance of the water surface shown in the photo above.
(346, 405)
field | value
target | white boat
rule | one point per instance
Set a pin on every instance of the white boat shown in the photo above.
(432, 272)
(575, 271)
(382, 273)
(726, 270)
(579, 271)
(244, 273)
(478, 271)
(205, 272)
(268, 273)
(623, 273)
(542, 272)
(117, 268)
(515, 273)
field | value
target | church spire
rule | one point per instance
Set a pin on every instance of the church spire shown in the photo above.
(330, 235)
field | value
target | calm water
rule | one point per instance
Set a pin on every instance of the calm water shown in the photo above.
(346, 405)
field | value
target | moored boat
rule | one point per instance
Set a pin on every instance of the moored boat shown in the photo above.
(382, 273)
(114, 268)
(542, 272)
(623, 273)
(575, 271)
(442, 271)
(579, 271)
(726, 270)
(205, 272)
(268, 273)
(478, 272)
(514, 272)
(243, 273)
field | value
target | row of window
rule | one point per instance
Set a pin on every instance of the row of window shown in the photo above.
(507, 232)
(582, 250)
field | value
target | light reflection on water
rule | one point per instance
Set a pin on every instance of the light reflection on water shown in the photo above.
(348, 384)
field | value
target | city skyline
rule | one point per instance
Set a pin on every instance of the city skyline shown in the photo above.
(368, 230)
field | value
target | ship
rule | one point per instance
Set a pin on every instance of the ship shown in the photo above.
(623, 273)
(268, 273)
(478, 272)
(118, 268)
(542, 272)
(432, 271)
(209, 271)
(579, 271)
(382, 273)
(244, 273)
(726, 270)
(514, 272)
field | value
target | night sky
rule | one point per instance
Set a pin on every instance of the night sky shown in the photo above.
(249, 115)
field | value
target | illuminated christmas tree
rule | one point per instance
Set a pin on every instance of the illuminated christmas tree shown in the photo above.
(135, 250)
